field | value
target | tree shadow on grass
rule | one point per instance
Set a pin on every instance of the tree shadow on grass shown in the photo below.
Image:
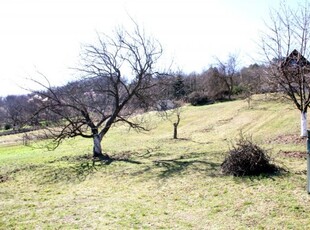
(175, 167)
(7, 175)
(73, 173)
(183, 165)
(110, 160)
(79, 168)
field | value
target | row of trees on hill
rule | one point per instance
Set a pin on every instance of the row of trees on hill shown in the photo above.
(214, 84)
(120, 78)
(16, 111)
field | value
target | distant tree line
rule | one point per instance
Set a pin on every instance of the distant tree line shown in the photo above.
(214, 84)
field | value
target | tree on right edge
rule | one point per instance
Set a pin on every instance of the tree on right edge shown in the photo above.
(286, 50)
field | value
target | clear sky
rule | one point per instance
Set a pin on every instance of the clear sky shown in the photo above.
(46, 35)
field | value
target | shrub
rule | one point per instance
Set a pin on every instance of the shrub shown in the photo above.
(247, 159)
(198, 98)
(7, 126)
(238, 89)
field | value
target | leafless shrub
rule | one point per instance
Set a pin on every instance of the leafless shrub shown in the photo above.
(247, 159)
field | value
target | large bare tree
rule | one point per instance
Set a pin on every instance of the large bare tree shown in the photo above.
(117, 79)
(285, 46)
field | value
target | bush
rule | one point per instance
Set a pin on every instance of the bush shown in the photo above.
(7, 126)
(247, 159)
(238, 89)
(198, 98)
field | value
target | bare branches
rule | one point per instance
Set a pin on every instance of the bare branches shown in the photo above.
(118, 77)
(228, 70)
(285, 47)
(173, 115)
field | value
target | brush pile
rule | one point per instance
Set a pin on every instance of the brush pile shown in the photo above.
(247, 159)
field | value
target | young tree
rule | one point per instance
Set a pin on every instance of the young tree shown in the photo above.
(285, 47)
(118, 74)
(170, 99)
(172, 113)
(177, 111)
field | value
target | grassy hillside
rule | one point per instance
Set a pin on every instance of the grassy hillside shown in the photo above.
(158, 182)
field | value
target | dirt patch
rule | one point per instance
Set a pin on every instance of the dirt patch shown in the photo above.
(288, 139)
(294, 154)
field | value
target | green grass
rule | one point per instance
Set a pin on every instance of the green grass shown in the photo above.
(165, 183)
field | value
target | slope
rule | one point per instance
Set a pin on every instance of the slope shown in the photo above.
(157, 182)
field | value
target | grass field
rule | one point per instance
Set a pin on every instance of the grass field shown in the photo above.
(158, 182)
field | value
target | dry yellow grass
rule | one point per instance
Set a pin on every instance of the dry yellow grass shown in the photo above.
(169, 184)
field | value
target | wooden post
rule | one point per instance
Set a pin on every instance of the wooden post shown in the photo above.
(308, 161)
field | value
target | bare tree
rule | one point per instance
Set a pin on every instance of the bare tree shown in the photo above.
(285, 48)
(118, 74)
(170, 99)
(251, 81)
(228, 72)
(172, 113)
(176, 123)
(16, 110)
(214, 83)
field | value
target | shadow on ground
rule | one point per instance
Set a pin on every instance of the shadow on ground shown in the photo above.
(175, 167)
(78, 168)
(182, 165)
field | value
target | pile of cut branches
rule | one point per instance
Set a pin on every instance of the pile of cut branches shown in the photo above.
(247, 159)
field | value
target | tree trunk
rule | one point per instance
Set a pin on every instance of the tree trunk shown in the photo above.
(176, 124)
(303, 127)
(175, 131)
(97, 150)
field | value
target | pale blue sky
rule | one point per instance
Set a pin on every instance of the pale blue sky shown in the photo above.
(46, 35)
